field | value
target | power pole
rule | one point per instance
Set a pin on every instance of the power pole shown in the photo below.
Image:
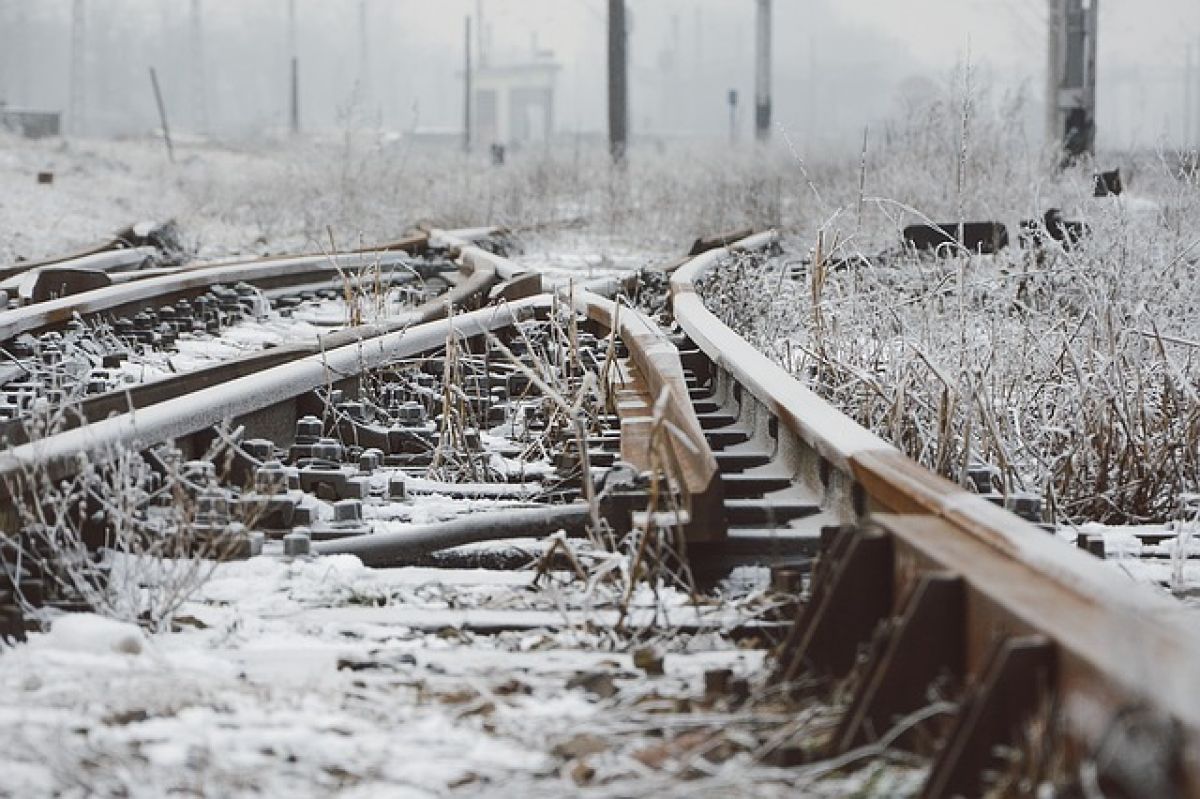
(1188, 91)
(1195, 95)
(467, 79)
(733, 116)
(618, 82)
(198, 79)
(364, 54)
(294, 70)
(295, 98)
(78, 97)
(479, 34)
(20, 56)
(762, 74)
(7, 62)
(291, 29)
(1071, 75)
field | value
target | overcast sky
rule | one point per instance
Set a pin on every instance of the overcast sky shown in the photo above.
(839, 64)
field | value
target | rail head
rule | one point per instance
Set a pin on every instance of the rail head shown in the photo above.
(269, 272)
(820, 425)
(659, 365)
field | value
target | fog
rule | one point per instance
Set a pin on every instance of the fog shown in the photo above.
(397, 65)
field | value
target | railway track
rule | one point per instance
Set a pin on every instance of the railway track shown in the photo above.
(930, 619)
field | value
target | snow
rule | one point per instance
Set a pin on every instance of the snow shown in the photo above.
(92, 634)
(261, 690)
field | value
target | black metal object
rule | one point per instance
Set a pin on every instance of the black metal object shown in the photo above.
(986, 238)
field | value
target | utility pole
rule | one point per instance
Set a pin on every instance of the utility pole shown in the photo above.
(1188, 92)
(7, 62)
(1195, 95)
(762, 74)
(479, 34)
(78, 99)
(733, 104)
(1071, 75)
(198, 80)
(291, 28)
(469, 88)
(364, 54)
(618, 82)
(20, 56)
(294, 70)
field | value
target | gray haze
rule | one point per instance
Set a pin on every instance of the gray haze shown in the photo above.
(839, 64)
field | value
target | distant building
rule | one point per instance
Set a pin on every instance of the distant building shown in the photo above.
(514, 104)
(30, 124)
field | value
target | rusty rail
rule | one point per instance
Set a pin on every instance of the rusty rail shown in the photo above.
(264, 402)
(160, 287)
(919, 582)
(1033, 630)
(652, 393)
(480, 275)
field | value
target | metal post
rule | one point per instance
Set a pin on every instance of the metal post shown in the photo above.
(479, 33)
(78, 67)
(469, 88)
(1195, 94)
(733, 104)
(7, 63)
(762, 74)
(162, 114)
(618, 81)
(1188, 118)
(1071, 75)
(291, 30)
(295, 95)
(293, 62)
(364, 54)
(199, 89)
(21, 56)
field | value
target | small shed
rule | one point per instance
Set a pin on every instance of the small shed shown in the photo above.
(514, 104)
(29, 123)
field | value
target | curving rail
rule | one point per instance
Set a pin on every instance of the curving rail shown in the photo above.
(917, 585)
(940, 581)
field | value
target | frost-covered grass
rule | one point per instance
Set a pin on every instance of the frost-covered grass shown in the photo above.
(1073, 372)
(286, 196)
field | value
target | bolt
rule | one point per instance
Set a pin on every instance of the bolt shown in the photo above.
(297, 543)
(257, 539)
(328, 449)
(348, 511)
(370, 460)
(397, 490)
(355, 410)
(271, 478)
(259, 448)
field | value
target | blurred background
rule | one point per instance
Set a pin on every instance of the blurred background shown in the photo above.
(397, 66)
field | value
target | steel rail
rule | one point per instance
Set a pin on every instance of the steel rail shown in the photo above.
(479, 276)
(254, 400)
(125, 239)
(386, 550)
(657, 387)
(166, 286)
(918, 578)
(1000, 601)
